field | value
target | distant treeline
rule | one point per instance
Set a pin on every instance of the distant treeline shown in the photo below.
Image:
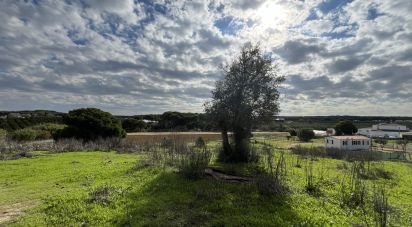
(177, 121)
(11, 124)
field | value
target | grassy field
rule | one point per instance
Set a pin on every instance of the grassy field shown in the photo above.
(109, 189)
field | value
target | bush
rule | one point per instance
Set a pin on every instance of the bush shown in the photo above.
(200, 143)
(193, 164)
(306, 134)
(90, 124)
(49, 127)
(133, 125)
(293, 132)
(3, 134)
(25, 134)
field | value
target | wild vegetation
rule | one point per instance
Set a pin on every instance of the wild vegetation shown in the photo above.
(165, 184)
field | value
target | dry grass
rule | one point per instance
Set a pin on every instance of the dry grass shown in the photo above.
(191, 136)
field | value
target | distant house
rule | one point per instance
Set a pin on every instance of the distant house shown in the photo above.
(319, 133)
(150, 121)
(384, 130)
(348, 142)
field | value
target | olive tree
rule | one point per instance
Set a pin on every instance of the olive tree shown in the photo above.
(247, 94)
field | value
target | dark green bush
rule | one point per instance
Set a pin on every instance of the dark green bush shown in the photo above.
(3, 134)
(306, 134)
(90, 124)
(25, 134)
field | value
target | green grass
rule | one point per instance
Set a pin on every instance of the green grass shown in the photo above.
(62, 184)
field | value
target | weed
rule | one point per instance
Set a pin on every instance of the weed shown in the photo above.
(354, 194)
(380, 206)
(193, 163)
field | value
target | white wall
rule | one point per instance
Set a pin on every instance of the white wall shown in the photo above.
(372, 133)
(363, 144)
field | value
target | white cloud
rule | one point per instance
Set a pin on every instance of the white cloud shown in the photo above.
(132, 57)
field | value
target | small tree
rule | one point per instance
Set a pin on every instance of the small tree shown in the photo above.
(345, 128)
(403, 143)
(133, 125)
(247, 94)
(90, 124)
(306, 134)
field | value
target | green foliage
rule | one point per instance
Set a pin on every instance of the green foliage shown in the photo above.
(49, 127)
(354, 194)
(293, 132)
(248, 93)
(306, 134)
(380, 206)
(3, 134)
(381, 141)
(193, 164)
(90, 124)
(345, 128)
(200, 142)
(133, 125)
(105, 189)
(26, 134)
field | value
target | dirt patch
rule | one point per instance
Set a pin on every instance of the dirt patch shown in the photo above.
(11, 212)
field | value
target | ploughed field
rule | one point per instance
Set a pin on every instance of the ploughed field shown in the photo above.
(111, 189)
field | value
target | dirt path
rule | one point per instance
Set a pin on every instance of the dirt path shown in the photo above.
(13, 211)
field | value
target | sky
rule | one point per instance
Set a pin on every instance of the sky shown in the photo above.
(139, 56)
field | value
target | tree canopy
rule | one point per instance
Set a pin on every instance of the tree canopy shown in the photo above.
(247, 94)
(90, 124)
(345, 128)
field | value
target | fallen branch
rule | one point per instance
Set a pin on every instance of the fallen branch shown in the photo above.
(219, 175)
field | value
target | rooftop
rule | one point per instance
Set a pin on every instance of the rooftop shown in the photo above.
(356, 137)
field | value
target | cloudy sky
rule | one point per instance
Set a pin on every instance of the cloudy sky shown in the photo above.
(131, 56)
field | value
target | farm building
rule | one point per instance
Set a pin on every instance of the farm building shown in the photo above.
(384, 130)
(348, 142)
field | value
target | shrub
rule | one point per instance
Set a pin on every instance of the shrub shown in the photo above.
(311, 187)
(133, 125)
(43, 135)
(381, 141)
(274, 181)
(193, 164)
(200, 143)
(90, 124)
(49, 127)
(306, 134)
(354, 194)
(3, 134)
(25, 134)
(106, 195)
(293, 132)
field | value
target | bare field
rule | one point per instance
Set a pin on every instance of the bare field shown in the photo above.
(208, 136)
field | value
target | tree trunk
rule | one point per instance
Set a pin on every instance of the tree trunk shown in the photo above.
(241, 139)
(226, 145)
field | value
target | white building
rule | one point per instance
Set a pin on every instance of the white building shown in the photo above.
(384, 130)
(348, 142)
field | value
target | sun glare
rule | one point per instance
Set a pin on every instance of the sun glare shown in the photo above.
(271, 14)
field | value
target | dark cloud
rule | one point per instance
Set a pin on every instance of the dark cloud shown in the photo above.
(346, 64)
(295, 52)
